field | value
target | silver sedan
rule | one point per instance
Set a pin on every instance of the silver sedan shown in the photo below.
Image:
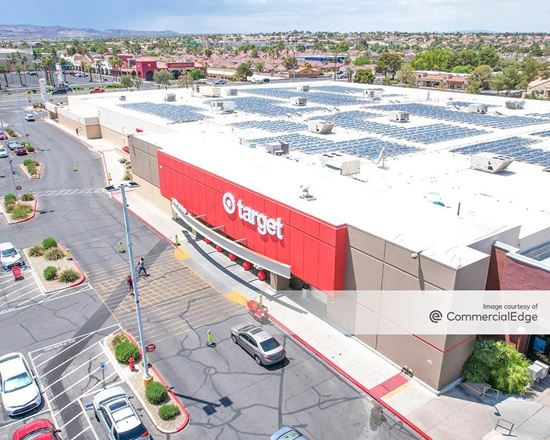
(259, 343)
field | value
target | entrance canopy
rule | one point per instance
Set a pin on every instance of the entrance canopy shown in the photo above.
(228, 244)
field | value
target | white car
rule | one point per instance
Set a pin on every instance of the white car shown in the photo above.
(3, 151)
(9, 256)
(20, 392)
(29, 117)
(117, 416)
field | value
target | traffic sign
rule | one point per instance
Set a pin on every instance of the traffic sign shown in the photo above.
(102, 365)
(149, 348)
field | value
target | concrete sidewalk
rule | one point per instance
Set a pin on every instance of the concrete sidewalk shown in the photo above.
(453, 415)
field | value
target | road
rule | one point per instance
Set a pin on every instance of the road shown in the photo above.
(228, 396)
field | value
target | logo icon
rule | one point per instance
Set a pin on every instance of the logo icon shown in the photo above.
(435, 316)
(229, 204)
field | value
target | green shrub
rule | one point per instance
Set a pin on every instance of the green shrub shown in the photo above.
(30, 148)
(53, 254)
(168, 411)
(127, 175)
(28, 197)
(50, 273)
(9, 198)
(27, 162)
(20, 211)
(499, 364)
(123, 160)
(118, 338)
(156, 393)
(126, 350)
(69, 276)
(49, 242)
(31, 168)
(36, 251)
(11, 132)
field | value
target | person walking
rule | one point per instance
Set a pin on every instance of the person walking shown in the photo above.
(130, 284)
(141, 267)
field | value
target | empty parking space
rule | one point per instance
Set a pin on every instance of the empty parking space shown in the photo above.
(18, 293)
(174, 299)
(70, 372)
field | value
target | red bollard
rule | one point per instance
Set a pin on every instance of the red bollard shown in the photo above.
(232, 257)
(132, 363)
(247, 265)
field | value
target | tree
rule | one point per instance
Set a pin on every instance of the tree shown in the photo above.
(254, 53)
(290, 63)
(4, 71)
(186, 79)
(406, 75)
(137, 82)
(361, 60)
(509, 79)
(47, 62)
(480, 79)
(126, 81)
(488, 56)
(260, 66)
(197, 74)
(162, 78)
(433, 59)
(388, 63)
(207, 53)
(115, 63)
(536, 50)
(244, 70)
(530, 71)
(364, 76)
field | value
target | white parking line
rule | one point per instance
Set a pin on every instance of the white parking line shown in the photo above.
(45, 300)
(73, 370)
(23, 294)
(68, 360)
(82, 432)
(78, 381)
(85, 412)
(22, 421)
(68, 342)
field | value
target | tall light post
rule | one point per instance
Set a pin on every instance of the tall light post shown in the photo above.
(122, 188)
(10, 159)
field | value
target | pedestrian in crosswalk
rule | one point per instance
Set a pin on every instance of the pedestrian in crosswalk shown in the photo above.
(130, 284)
(141, 267)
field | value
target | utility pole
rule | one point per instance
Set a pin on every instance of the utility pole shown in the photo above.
(10, 160)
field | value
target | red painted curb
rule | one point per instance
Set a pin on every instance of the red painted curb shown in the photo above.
(162, 381)
(351, 379)
(82, 273)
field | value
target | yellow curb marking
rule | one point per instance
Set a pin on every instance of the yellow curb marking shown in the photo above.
(180, 254)
(236, 297)
(398, 390)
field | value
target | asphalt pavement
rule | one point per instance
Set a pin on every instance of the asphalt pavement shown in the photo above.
(227, 394)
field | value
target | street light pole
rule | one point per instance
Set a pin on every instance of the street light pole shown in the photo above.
(10, 160)
(146, 376)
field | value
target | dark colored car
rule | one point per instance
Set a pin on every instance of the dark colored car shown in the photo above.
(3, 136)
(41, 429)
(20, 151)
(62, 91)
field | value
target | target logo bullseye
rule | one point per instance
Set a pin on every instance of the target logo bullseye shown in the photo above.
(263, 223)
(229, 204)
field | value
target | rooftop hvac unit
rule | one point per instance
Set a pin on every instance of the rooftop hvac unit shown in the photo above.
(303, 88)
(223, 106)
(399, 116)
(490, 163)
(321, 127)
(478, 108)
(300, 101)
(374, 94)
(230, 92)
(122, 98)
(277, 148)
(170, 97)
(347, 165)
(515, 105)
(210, 91)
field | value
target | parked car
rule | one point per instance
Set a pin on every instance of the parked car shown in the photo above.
(62, 90)
(3, 152)
(97, 90)
(20, 151)
(117, 416)
(259, 343)
(9, 256)
(29, 117)
(20, 392)
(32, 73)
(286, 433)
(3, 136)
(220, 82)
(13, 144)
(41, 429)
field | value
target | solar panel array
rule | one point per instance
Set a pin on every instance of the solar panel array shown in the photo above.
(173, 113)
(436, 112)
(268, 107)
(272, 125)
(514, 147)
(542, 133)
(324, 98)
(427, 134)
(364, 147)
(338, 89)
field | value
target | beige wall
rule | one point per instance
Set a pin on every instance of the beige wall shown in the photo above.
(113, 137)
(143, 156)
(88, 131)
(152, 194)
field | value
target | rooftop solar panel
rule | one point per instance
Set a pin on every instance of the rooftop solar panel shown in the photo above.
(171, 112)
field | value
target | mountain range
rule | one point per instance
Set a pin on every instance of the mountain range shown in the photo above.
(33, 32)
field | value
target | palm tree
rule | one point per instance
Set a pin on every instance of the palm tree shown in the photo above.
(47, 62)
(98, 69)
(18, 70)
(3, 70)
(115, 62)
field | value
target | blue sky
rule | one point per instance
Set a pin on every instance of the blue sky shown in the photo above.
(194, 16)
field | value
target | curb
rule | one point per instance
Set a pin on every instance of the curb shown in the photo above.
(82, 273)
(163, 382)
(351, 379)
(26, 219)
(24, 169)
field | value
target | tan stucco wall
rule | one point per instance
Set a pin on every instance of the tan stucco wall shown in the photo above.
(152, 194)
(113, 137)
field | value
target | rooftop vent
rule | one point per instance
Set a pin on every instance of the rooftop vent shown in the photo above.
(303, 88)
(375, 94)
(399, 116)
(210, 91)
(230, 92)
(277, 148)
(515, 104)
(490, 163)
(344, 163)
(321, 127)
(223, 106)
(170, 97)
(305, 194)
(478, 108)
(122, 98)
(299, 101)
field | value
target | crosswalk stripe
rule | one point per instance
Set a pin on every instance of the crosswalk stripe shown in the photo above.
(68, 192)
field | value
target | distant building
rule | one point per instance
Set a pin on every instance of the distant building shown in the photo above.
(147, 66)
(445, 80)
(540, 87)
